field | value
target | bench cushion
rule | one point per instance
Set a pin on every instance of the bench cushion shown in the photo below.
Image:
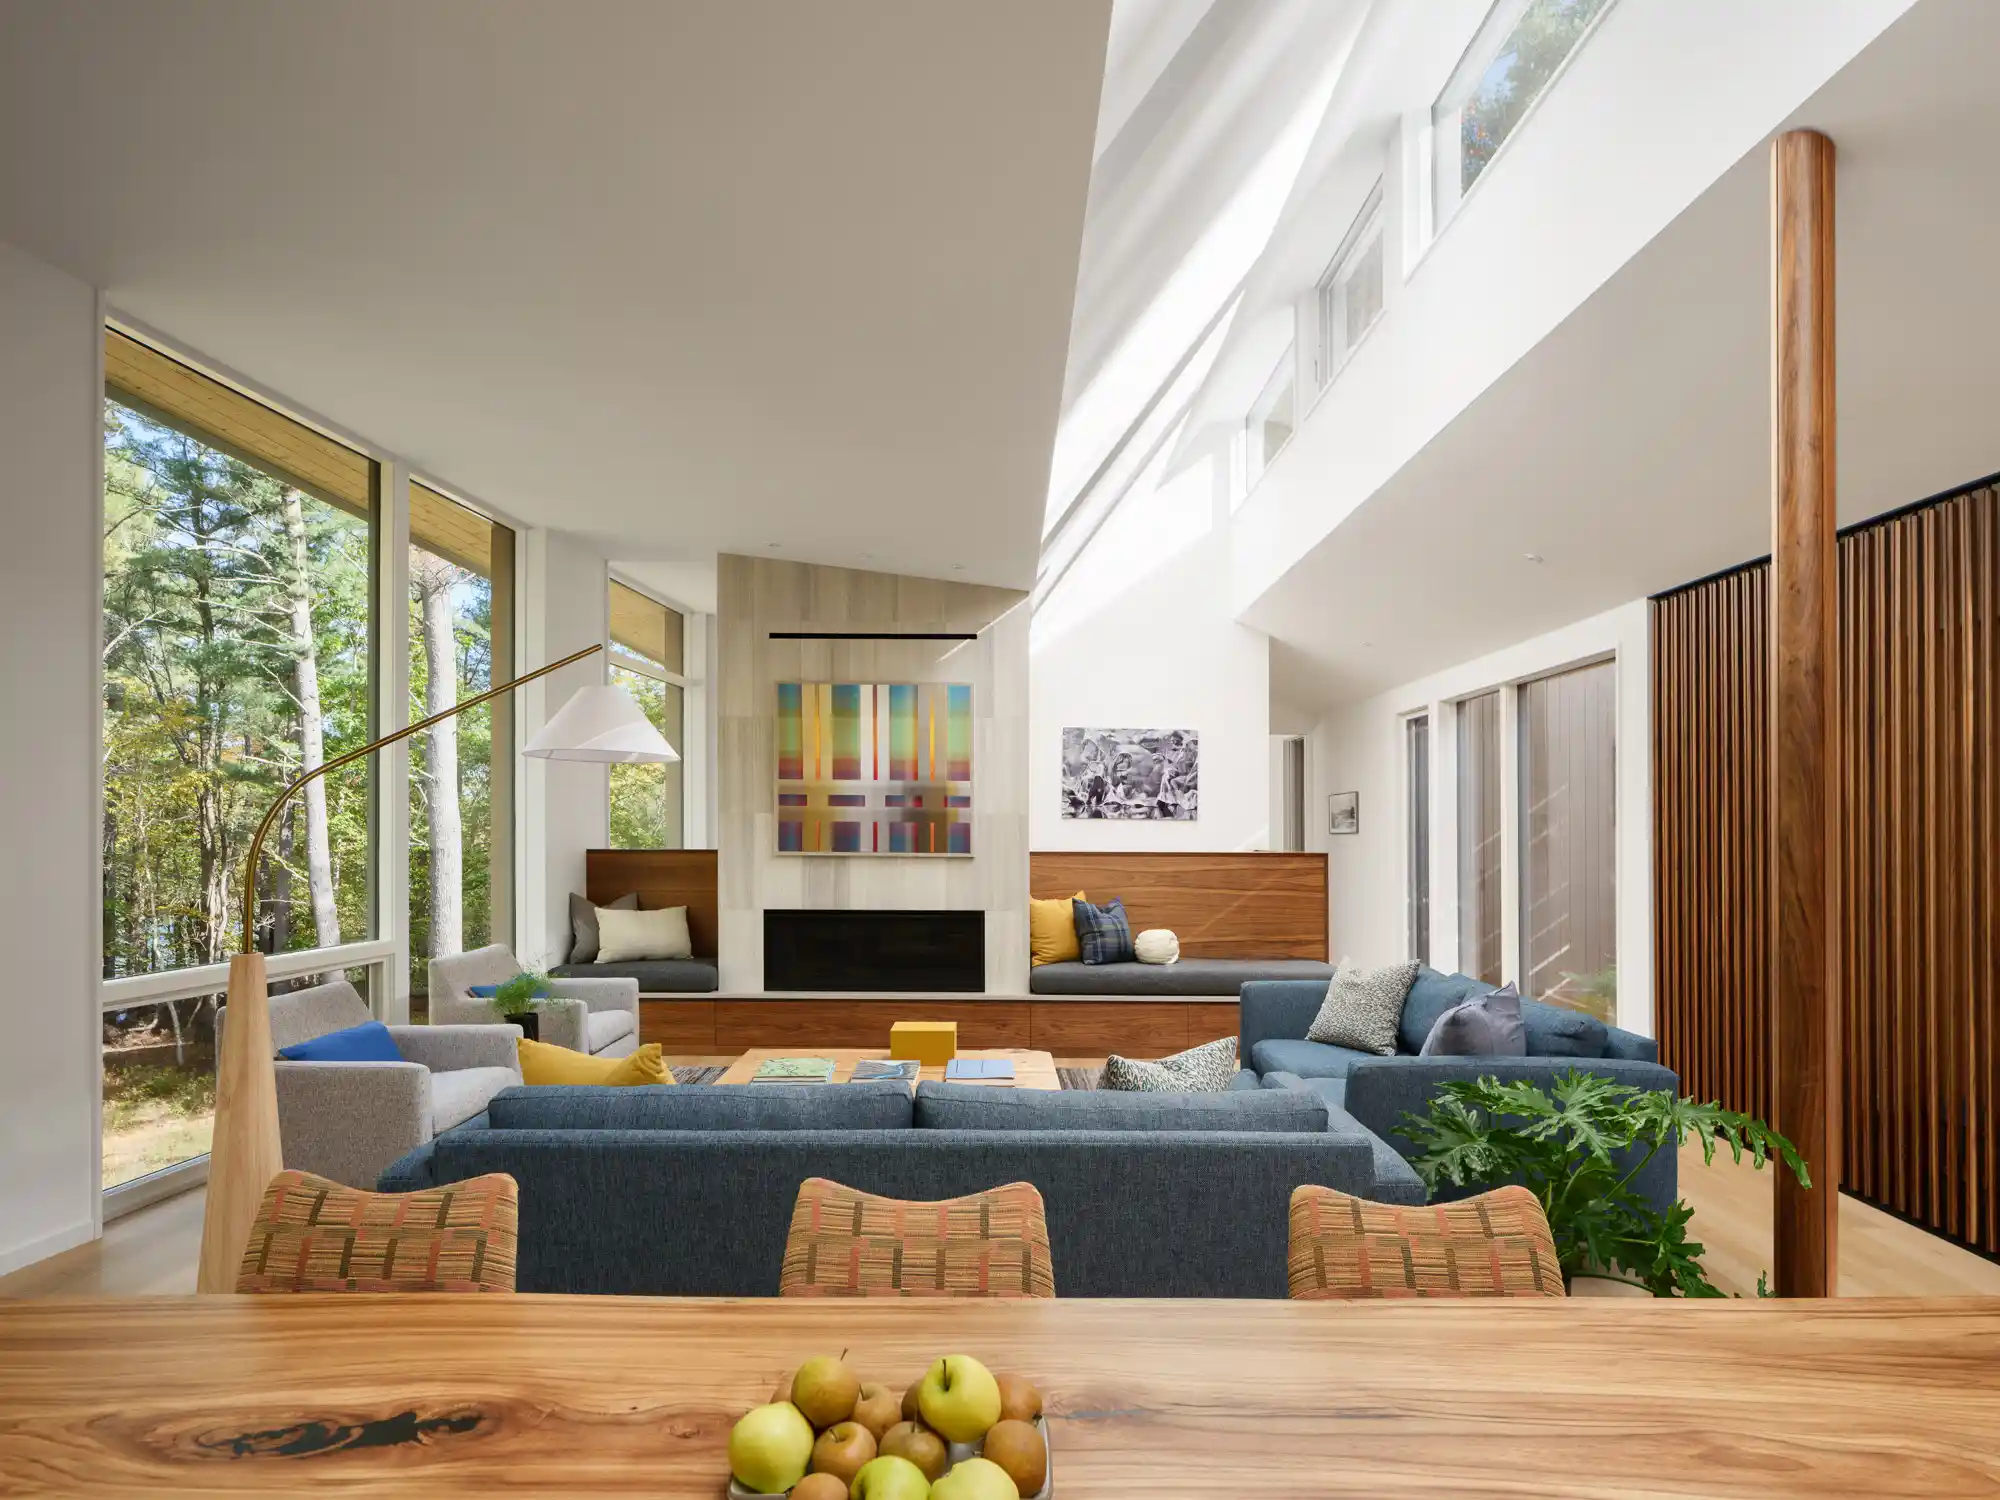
(1191, 976)
(746, 1106)
(656, 976)
(966, 1106)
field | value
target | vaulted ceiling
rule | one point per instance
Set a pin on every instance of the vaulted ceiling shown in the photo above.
(749, 275)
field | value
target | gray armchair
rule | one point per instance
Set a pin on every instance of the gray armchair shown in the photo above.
(349, 1120)
(599, 1016)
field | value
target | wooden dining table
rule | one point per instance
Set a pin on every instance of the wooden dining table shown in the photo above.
(445, 1396)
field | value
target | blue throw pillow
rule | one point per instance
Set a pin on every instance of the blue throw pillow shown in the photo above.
(368, 1042)
(1104, 933)
(489, 991)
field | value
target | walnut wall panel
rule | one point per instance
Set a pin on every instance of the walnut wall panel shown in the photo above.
(663, 878)
(1920, 792)
(1235, 905)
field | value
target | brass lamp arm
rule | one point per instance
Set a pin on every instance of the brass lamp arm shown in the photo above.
(270, 817)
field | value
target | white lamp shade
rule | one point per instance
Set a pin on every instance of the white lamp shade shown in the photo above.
(603, 724)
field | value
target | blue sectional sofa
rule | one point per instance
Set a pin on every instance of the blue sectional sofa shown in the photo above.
(1372, 1094)
(688, 1191)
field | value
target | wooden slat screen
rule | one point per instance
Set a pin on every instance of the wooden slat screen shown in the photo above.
(1920, 836)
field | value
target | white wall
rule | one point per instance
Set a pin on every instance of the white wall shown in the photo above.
(1360, 747)
(1139, 634)
(51, 351)
(1608, 159)
(565, 805)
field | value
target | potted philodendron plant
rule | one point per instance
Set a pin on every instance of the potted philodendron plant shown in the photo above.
(519, 998)
(1566, 1144)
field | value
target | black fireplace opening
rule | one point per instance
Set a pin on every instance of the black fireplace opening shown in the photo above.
(936, 951)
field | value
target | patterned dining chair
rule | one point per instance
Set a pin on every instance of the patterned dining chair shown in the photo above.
(845, 1243)
(1494, 1245)
(314, 1235)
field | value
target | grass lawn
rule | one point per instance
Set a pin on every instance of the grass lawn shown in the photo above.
(155, 1114)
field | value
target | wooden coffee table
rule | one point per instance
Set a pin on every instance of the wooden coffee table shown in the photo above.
(1032, 1070)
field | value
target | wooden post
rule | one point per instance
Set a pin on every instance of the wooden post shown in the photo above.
(1805, 973)
(246, 1153)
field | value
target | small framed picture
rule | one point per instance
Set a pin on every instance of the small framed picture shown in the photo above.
(1343, 812)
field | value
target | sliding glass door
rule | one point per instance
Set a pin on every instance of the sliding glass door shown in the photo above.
(1569, 839)
(1481, 930)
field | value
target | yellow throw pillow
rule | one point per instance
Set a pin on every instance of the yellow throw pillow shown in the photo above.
(544, 1062)
(1052, 932)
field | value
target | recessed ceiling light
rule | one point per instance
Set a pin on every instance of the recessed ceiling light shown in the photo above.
(958, 567)
(1534, 557)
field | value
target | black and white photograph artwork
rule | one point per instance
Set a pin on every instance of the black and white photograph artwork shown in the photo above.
(1343, 812)
(1149, 775)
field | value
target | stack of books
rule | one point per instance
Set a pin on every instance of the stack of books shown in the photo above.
(794, 1070)
(996, 1071)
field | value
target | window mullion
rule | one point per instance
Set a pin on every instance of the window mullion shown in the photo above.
(392, 711)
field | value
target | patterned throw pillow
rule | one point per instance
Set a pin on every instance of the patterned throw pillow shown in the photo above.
(1207, 1069)
(1104, 933)
(1362, 1007)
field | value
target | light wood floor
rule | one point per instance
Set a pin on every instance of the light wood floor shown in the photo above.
(154, 1250)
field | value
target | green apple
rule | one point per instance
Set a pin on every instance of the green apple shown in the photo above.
(975, 1479)
(770, 1448)
(960, 1398)
(890, 1479)
(825, 1390)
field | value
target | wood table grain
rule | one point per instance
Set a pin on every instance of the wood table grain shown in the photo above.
(499, 1396)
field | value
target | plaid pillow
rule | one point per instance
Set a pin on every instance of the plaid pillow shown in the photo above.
(1103, 932)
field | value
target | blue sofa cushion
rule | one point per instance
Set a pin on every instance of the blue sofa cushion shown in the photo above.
(1306, 1059)
(961, 1106)
(368, 1042)
(748, 1106)
(1431, 995)
(1556, 1032)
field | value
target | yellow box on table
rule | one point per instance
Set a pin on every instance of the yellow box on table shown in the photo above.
(932, 1043)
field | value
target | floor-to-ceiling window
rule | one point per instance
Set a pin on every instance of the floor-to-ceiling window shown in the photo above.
(648, 660)
(461, 771)
(240, 561)
(1481, 926)
(1417, 782)
(1569, 838)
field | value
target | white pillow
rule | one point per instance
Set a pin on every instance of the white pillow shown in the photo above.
(1156, 945)
(623, 936)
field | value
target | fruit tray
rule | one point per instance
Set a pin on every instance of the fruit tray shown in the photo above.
(959, 1453)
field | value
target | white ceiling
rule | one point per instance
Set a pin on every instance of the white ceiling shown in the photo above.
(1630, 449)
(682, 275)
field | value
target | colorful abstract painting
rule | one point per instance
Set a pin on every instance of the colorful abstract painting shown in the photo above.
(874, 768)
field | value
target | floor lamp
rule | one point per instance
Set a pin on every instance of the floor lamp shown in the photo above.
(599, 723)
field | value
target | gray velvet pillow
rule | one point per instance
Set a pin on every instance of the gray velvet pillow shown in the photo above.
(1487, 1025)
(583, 925)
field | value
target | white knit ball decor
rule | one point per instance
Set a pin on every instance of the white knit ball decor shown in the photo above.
(1156, 945)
